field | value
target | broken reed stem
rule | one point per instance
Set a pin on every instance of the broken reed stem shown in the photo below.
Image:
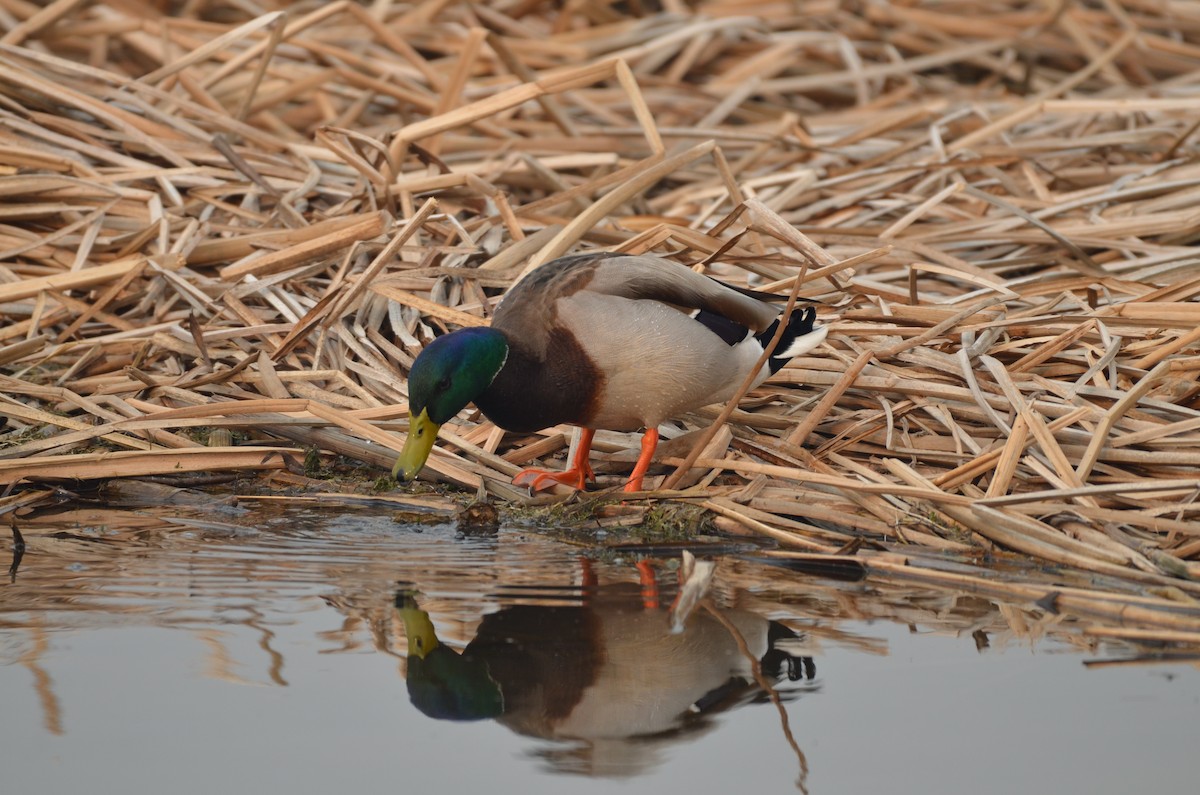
(581, 223)
(1100, 436)
(801, 432)
(765, 684)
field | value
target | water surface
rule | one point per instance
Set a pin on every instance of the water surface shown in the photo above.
(270, 649)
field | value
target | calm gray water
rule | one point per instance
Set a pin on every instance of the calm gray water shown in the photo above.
(266, 652)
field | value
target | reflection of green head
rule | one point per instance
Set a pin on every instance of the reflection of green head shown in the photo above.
(442, 683)
(452, 371)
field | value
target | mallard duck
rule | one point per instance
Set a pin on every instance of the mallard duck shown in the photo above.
(607, 672)
(599, 340)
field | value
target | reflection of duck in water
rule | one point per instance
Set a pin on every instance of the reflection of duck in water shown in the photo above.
(602, 673)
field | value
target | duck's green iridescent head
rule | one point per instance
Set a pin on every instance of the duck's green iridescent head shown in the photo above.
(452, 371)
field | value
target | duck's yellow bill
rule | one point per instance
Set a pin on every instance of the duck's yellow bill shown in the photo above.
(422, 433)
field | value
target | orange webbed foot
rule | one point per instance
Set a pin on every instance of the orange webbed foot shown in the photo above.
(576, 477)
(538, 479)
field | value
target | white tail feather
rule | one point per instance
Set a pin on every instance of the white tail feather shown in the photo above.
(803, 343)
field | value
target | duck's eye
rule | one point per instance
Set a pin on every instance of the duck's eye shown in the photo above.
(444, 384)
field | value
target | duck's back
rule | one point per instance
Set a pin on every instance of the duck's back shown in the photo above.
(605, 341)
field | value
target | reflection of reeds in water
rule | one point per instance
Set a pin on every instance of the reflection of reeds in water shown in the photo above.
(827, 607)
(245, 574)
(37, 639)
(77, 552)
(233, 582)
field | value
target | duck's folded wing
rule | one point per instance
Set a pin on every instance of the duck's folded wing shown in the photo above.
(645, 277)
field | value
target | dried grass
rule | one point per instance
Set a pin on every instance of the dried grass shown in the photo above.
(226, 220)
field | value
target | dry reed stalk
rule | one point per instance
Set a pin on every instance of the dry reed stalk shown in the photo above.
(225, 220)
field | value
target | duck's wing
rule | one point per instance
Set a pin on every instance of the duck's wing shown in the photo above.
(529, 309)
(658, 279)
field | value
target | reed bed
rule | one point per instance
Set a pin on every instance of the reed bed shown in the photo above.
(243, 217)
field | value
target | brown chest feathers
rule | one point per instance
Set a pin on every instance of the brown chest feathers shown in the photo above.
(528, 394)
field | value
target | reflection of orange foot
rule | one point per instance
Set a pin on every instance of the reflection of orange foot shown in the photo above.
(649, 584)
(590, 581)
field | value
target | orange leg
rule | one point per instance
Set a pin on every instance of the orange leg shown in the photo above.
(649, 443)
(576, 477)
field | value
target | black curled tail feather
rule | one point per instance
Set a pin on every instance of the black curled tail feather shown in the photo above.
(800, 323)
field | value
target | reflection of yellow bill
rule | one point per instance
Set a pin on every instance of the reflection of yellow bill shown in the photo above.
(417, 627)
(422, 433)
